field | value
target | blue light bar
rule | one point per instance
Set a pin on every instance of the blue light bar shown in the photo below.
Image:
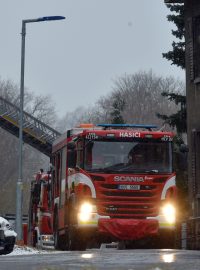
(50, 18)
(127, 125)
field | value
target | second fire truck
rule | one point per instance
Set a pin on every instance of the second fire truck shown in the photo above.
(40, 230)
(112, 183)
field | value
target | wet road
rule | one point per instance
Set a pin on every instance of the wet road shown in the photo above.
(105, 259)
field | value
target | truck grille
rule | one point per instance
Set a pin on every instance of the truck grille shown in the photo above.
(118, 203)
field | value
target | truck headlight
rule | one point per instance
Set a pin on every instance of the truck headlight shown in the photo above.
(85, 211)
(169, 212)
(47, 238)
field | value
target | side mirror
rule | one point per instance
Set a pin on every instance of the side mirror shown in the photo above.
(71, 155)
(71, 145)
(181, 158)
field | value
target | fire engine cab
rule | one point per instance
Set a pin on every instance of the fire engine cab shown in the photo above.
(112, 182)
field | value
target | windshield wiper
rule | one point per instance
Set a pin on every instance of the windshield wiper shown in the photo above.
(152, 171)
(134, 169)
(114, 168)
(122, 167)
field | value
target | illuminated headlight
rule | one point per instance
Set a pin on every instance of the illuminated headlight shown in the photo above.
(85, 211)
(47, 238)
(169, 213)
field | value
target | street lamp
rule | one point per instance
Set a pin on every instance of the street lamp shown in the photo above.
(19, 188)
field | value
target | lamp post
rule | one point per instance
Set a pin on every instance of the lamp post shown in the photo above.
(19, 187)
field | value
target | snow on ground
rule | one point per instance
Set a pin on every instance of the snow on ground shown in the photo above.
(25, 250)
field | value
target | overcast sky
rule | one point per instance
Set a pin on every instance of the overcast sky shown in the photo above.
(77, 59)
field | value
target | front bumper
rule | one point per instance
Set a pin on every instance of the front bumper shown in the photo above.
(6, 241)
(128, 229)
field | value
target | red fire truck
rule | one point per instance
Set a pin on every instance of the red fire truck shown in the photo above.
(40, 231)
(112, 182)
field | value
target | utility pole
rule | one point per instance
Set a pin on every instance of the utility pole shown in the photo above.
(19, 188)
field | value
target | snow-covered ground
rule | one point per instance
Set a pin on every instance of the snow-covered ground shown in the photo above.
(24, 250)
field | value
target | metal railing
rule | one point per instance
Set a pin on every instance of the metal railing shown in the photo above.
(35, 132)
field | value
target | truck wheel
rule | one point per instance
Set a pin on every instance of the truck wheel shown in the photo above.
(34, 238)
(57, 240)
(166, 239)
(75, 240)
(121, 245)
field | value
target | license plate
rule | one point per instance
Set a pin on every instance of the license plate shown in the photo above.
(129, 187)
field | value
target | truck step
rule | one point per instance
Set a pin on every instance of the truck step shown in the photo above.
(113, 245)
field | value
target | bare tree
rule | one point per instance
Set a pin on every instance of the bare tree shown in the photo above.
(9, 91)
(92, 114)
(42, 108)
(141, 93)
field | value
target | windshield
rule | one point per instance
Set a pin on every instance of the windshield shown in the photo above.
(126, 156)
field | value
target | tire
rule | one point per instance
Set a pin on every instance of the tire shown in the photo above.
(57, 239)
(9, 246)
(121, 245)
(34, 239)
(166, 239)
(75, 241)
(8, 249)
